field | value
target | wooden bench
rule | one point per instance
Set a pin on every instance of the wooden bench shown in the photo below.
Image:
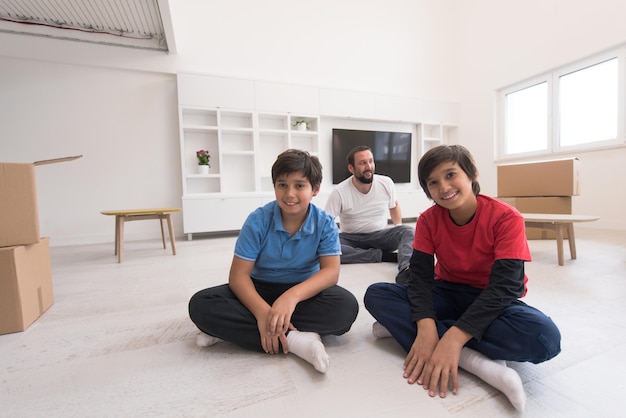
(560, 223)
(122, 216)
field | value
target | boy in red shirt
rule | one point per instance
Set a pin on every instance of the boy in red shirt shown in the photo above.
(464, 310)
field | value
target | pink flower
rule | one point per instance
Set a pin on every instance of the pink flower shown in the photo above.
(203, 157)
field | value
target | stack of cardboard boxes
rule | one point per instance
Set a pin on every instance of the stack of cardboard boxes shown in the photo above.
(540, 187)
(25, 270)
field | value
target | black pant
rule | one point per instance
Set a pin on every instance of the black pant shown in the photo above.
(217, 311)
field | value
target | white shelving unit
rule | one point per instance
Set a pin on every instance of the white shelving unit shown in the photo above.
(432, 135)
(277, 133)
(243, 146)
(229, 137)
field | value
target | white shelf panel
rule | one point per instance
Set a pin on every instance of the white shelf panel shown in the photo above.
(199, 128)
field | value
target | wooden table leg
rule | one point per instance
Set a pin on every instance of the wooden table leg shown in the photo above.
(171, 231)
(117, 234)
(120, 242)
(161, 216)
(571, 240)
(559, 242)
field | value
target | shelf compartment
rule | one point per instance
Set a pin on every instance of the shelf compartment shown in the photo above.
(199, 117)
(305, 142)
(274, 143)
(235, 120)
(238, 173)
(202, 184)
(270, 147)
(266, 184)
(270, 122)
(195, 141)
(431, 131)
(237, 141)
(312, 123)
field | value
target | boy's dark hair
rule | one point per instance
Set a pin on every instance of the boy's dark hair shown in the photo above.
(297, 161)
(447, 153)
(350, 156)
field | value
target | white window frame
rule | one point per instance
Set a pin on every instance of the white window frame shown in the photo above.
(552, 80)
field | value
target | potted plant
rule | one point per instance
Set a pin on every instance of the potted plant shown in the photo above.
(204, 158)
(301, 125)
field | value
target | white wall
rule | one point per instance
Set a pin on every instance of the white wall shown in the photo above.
(125, 125)
(505, 41)
(117, 106)
(395, 47)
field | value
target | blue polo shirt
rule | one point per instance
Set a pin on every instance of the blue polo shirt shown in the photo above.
(279, 257)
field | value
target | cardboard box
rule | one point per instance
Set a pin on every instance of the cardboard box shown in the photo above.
(556, 204)
(541, 178)
(25, 285)
(19, 213)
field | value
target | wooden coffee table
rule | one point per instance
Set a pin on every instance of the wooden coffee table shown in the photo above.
(559, 223)
(127, 215)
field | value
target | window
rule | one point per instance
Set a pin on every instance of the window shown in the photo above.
(588, 104)
(573, 108)
(527, 119)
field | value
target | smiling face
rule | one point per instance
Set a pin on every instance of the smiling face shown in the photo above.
(363, 168)
(450, 187)
(293, 194)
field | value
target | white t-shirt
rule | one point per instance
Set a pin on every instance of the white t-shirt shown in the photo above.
(362, 213)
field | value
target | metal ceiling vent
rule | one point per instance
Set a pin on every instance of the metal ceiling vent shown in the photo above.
(131, 23)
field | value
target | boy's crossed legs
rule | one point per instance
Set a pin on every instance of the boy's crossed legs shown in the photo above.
(217, 312)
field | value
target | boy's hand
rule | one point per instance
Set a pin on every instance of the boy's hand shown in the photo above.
(443, 366)
(442, 369)
(279, 316)
(272, 337)
(269, 341)
(419, 355)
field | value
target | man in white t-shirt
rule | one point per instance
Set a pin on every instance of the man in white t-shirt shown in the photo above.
(363, 203)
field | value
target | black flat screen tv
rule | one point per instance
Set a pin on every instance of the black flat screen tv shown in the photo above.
(392, 152)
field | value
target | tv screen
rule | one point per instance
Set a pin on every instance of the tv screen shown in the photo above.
(392, 152)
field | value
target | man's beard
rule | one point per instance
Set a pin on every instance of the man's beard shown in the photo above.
(365, 180)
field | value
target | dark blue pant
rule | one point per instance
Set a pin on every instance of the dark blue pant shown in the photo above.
(217, 311)
(520, 333)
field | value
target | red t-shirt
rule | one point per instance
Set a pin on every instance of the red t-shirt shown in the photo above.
(465, 254)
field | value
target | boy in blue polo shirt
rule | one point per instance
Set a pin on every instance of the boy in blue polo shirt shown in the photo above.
(282, 292)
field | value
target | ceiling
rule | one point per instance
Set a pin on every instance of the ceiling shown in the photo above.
(142, 24)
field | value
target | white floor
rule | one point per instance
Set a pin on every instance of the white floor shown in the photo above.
(118, 342)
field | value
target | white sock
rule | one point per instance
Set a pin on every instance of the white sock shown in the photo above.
(496, 373)
(206, 340)
(308, 346)
(379, 331)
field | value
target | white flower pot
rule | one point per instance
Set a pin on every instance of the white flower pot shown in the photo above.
(203, 169)
(301, 126)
